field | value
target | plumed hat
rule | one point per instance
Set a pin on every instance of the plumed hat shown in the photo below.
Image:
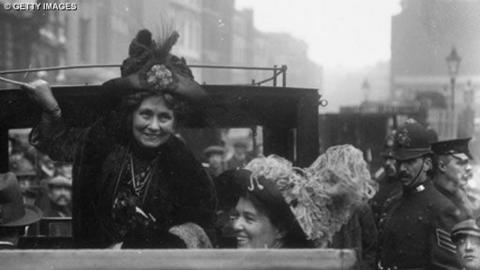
(151, 67)
(457, 147)
(321, 197)
(412, 140)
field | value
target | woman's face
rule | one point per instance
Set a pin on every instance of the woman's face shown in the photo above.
(153, 122)
(253, 229)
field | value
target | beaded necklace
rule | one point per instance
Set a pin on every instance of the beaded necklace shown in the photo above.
(140, 180)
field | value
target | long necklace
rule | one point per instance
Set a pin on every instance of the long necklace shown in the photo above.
(139, 181)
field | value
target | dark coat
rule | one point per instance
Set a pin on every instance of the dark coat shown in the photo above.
(180, 190)
(388, 187)
(360, 234)
(416, 231)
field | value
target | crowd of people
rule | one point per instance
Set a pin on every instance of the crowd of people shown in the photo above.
(43, 182)
(135, 184)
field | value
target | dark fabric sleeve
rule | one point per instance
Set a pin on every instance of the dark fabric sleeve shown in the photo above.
(369, 236)
(442, 252)
(196, 201)
(53, 137)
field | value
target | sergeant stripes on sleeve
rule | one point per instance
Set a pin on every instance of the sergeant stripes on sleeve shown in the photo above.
(444, 241)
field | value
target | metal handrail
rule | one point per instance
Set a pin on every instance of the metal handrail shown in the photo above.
(282, 71)
(13, 71)
(276, 70)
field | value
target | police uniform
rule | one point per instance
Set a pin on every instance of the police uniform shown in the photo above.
(467, 227)
(469, 250)
(415, 232)
(388, 185)
(458, 149)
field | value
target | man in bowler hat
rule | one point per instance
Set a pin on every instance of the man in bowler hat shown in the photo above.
(14, 215)
(415, 232)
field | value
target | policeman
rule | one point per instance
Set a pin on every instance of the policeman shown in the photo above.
(415, 232)
(466, 236)
(386, 176)
(453, 171)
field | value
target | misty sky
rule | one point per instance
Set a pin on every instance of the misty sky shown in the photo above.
(340, 33)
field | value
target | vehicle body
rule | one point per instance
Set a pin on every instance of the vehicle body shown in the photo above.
(289, 121)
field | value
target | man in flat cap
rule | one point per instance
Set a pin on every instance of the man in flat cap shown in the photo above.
(415, 232)
(466, 236)
(453, 171)
(14, 215)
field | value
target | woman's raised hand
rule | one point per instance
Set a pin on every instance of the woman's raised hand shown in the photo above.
(41, 92)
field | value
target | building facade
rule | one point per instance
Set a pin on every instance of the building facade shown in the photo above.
(423, 35)
(32, 38)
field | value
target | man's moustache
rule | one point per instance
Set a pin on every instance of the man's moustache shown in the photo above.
(62, 197)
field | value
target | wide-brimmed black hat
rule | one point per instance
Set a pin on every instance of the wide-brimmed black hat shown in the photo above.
(151, 67)
(457, 147)
(13, 213)
(411, 140)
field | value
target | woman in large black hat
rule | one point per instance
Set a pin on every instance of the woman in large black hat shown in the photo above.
(277, 205)
(133, 179)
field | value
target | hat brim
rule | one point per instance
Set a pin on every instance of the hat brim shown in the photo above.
(407, 154)
(185, 87)
(199, 103)
(464, 232)
(32, 215)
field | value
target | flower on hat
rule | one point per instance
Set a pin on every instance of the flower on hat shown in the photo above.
(159, 77)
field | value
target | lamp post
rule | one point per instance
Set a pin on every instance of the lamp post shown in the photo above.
(366, 89)
(453, 64)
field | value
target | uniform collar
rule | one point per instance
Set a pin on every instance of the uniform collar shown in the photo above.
(418, 188)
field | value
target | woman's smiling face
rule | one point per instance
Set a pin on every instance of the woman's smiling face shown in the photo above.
(253, 228)
(153, 122)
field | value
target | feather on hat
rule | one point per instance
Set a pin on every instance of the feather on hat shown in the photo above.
(150, 66)
(323, 196)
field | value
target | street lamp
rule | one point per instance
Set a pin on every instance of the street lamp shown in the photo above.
(453, 64)
(366, 89)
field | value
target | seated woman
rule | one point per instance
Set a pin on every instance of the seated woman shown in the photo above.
(280, 206)
(134, 182)
(262, 217)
